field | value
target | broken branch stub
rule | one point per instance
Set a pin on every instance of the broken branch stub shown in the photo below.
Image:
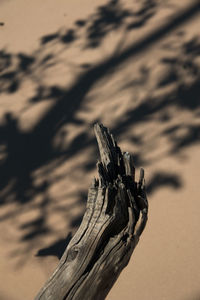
(115, 217)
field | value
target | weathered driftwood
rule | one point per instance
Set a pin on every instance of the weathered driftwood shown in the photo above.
(115, 217)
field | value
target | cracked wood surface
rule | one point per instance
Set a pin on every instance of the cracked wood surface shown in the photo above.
(115, 217)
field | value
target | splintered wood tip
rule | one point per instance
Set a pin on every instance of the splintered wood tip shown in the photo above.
(105, 144)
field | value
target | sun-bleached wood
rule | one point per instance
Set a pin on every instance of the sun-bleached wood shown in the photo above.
(115, 217)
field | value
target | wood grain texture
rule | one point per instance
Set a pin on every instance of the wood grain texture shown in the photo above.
(115, 217)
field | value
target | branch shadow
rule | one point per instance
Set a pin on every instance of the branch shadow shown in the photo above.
(163, 179)
(55, 249)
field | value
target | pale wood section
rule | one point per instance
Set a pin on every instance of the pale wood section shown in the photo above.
(115, 217)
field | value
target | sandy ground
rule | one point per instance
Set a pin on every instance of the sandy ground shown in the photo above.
(134, 66)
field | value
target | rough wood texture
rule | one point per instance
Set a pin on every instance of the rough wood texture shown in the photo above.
(115, 217)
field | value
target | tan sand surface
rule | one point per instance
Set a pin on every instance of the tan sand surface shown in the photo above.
(134, 66)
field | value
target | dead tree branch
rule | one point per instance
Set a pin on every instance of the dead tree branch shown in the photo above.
(115, 217)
